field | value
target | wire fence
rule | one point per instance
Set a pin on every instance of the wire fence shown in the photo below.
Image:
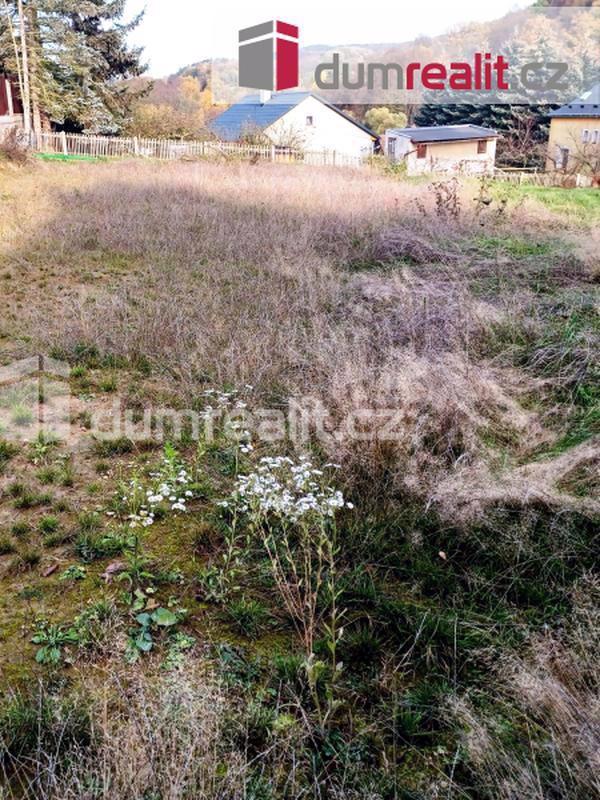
(71, 144)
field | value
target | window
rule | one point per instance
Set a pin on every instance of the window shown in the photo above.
(482, 146)
(562, 157)
(585, 136)
(421, 151)
(391, 147)
(310, 122)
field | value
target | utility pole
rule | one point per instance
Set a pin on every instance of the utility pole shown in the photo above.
(25, 69)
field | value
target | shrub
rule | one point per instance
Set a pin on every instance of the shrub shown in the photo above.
(13, 149)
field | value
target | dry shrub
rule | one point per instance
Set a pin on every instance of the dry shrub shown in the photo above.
(12, 148)
(150, 737)
(552, 699)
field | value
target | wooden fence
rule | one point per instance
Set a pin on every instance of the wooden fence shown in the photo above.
(70, 144)
(522, 177)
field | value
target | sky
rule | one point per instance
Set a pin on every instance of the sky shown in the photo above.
(176, 33)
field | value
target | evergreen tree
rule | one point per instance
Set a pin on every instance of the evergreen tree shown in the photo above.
(106, 37)
(78, 58)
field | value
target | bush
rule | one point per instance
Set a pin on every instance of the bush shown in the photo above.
(12, 149)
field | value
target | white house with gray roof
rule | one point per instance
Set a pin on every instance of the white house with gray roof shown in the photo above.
(299, 120)
(451, 149)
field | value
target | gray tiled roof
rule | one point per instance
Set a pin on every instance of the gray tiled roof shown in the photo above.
(588, 105)
(249, 114)
(444, 133)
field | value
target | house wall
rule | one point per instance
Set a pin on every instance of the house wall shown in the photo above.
(568, 133)
(395, 147)
(10, 106)
(453, 157)
(9, 122)
(329, 131)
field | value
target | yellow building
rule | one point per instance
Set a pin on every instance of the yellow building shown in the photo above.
(574, 142)
(452, 149)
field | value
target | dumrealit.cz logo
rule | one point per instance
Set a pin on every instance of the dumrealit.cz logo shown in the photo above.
(269, 56)
(269, 60)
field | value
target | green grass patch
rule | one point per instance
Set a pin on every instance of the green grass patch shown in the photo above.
(581, 203)
(67, 158)
(512, 246)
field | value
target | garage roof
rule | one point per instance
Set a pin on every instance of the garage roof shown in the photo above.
(444, 133)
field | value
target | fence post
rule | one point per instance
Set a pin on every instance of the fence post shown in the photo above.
(136, 146)
(63, 141)
(273, 152)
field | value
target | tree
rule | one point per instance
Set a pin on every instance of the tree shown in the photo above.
(381, 118)
(101, 23)
(178, 109)
(523, 129)
(567, 3)
(77, 59)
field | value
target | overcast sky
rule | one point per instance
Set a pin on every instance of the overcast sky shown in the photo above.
(176, 33)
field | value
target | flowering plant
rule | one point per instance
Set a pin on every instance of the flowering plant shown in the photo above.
(291, 510)
(169, 491)
(292, 492)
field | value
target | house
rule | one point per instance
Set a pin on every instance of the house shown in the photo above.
(298, 120)
(11, 109)
(575, 134)
(468, 149)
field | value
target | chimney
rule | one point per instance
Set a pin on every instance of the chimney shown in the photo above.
(264, 96)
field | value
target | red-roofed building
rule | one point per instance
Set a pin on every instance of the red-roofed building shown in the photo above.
(11, 108)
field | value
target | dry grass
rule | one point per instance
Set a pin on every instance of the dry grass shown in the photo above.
(472, 336)
(553, 747)
(181, 735)
(343, 286)
(144, 739)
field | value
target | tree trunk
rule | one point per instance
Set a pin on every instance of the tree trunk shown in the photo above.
(24, 68)
(34, 55)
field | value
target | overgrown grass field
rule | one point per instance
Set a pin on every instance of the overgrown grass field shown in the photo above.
(401, 604)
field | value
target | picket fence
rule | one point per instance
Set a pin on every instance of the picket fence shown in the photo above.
(71, 144)
(77, 144)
